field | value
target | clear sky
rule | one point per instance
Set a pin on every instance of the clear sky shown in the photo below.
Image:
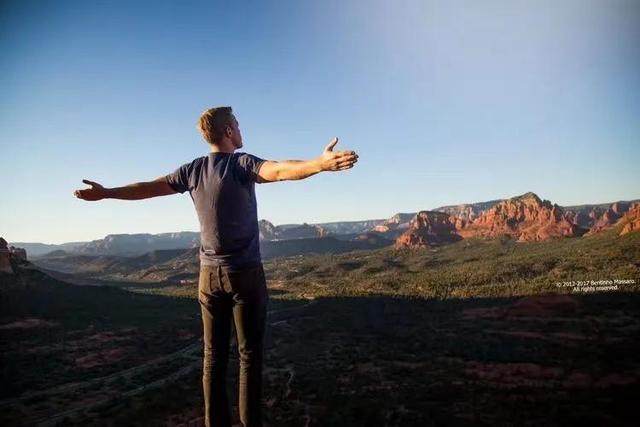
(445, 103)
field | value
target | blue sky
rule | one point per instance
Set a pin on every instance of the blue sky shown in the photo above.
(445, 103)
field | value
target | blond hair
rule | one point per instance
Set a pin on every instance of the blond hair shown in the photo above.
(213, 122)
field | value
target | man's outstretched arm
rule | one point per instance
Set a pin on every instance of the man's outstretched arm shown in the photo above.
(135, 191)
(329, 160)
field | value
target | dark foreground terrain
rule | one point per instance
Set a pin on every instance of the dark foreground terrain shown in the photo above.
(474, 333)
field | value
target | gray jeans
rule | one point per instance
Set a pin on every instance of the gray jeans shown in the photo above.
(239, 294)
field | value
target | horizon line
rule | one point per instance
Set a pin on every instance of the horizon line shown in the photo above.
(329, 222)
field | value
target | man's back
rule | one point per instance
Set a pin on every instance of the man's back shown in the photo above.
(222, 186)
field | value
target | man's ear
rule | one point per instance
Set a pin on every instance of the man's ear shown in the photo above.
(228, 131)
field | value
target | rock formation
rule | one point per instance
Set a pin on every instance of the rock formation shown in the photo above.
(606, 220)
(395, 225)
(468, 211)
(19, 253)
(630, 221)
(7, 253)
(302, 231)
(583, 218)
(610, 217)
(596, 218)
(5, 257)
(523, 218)
(428, 228)
(349, 227)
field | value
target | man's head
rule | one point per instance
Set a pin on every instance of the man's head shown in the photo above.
(219, 127)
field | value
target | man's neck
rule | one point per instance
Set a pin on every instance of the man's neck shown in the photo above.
(223, 147)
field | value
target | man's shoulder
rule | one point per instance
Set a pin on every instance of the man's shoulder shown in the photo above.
(200, 159)
(242, 154)
(195, 161)
(244, 158)
(248, 166)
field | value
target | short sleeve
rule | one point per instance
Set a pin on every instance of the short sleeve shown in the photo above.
(179, 179)
(248, 166)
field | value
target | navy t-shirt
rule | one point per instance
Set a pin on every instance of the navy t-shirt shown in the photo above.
(222, 187)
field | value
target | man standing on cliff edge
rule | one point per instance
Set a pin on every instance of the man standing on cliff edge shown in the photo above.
(232, 283)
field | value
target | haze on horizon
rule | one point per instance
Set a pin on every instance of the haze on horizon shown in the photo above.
(444, 104)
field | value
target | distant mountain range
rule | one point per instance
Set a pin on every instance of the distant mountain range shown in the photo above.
(183, 264)
(173, 257)
(525, 217)
(522, 218)
(119, 244)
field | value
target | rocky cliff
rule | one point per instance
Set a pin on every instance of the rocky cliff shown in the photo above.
(395, 225)
(609, 217)
(630, 221)
(9, 254)
(596, 218)
(428, 228)
(5, 257)
(468, 211)
(523, 218)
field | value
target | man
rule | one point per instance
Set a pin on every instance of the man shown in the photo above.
(232, 282)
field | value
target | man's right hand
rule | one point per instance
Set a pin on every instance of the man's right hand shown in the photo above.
(336, 160)
(135, 191)
(96, 192)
